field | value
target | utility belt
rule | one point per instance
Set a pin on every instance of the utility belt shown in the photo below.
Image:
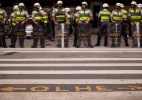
(114, 34)
(84, 34)
(62, 34)
(137, 35)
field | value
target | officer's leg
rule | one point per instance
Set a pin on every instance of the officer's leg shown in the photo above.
(4, 42)
(58, 39)
(89, 38)
(75, 36)
(1, 42)
(35, 41)
(124, 33)
(134, 42)
(42, 41)
(12, 38)
(100, 33)
(21, 41)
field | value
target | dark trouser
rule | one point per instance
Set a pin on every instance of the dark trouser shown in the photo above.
(70, 29)
(39, 28)
(19, 28)
(75, 35)
(53, 28)
(2, 38)
(125, 27)
(103, 31)
(48, 30)
(42, 40)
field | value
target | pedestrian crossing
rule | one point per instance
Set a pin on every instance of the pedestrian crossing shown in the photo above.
(98, 70)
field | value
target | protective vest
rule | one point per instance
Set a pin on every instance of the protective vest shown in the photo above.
(37, 16)
(13, 19)
(1, 15)
(60, 15)
(125, 14)
(117, 16)
(44, 18)
(135, 15)
(84, 15)
(105, 15)
(20, 16)
(76, 18)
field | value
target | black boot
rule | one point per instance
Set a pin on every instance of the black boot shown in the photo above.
(98, 41)
(12, 46)
(126, 43)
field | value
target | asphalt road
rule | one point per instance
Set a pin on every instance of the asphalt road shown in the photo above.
(71, 74)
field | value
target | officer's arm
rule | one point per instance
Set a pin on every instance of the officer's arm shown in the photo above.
(5, 16)
(41, 13)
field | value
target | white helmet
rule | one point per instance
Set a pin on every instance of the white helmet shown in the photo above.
(134, 3)
(118, 4)
(139, 5)
(16, 7)
(21, 4)
(78, 8)
(59, 2)
(121, 5)
(84, 3)
(36, 4)
(67, 9)
(105, 5)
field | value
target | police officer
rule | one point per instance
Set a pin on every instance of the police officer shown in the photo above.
(125, 25)
(103, 19)
(13, 24)
(117, 18)
(39, 19)
(59, 16)
(21, 17)
(134, 14)
(84, 17)
(3, 18)
(75, 25)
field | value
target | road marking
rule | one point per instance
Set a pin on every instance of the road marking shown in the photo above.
(72, 65)
(70, 81)
(73, 72)
(74, 59)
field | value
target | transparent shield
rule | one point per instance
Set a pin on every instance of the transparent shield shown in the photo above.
(84, 36)
(136, 36)
(38, 30)
(20, 30)
(114, 35)
(61, 36)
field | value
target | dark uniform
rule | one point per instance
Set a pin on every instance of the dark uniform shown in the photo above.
(39, 30)
(84, 15)
(13, 25)
(75, 28)
(3, 15)
(125, 27)
(60, 15)
(135, 15)
(104, 17)
(117, 16)
(20, 16)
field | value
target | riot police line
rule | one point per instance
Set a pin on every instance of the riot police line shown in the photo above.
(112, 25)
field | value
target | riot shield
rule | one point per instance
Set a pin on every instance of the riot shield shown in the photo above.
(38, 30)
(114, 35)
(19, 30)
(83, 35)
(61, 36)
(137, 36)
